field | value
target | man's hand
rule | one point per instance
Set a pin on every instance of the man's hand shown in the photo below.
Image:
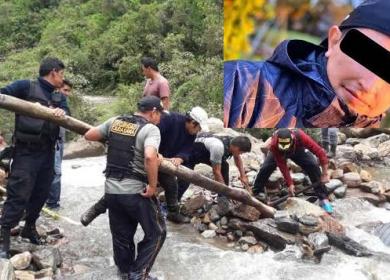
(149, 191)
(244, 180)
(324, 178)
(291, 190)
(58, 112)
(176, 161)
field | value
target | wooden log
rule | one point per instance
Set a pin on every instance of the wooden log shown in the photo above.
(38, 111)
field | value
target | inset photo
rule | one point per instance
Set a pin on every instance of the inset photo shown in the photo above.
(306, 63)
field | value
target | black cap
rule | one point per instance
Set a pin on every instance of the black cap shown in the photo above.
(149, 103)
(372, 14)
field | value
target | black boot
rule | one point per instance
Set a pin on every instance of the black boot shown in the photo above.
(5, 242)
(30, 232)
(175, 216)
(98, 208)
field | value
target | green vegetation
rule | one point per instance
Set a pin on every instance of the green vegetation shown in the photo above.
(102, 41)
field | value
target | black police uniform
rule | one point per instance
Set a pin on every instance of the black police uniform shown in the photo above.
(126, 211)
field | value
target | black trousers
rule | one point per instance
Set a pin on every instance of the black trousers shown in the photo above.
(170, 185)
(125, 213)
(201, 155)
(304, 159)
(29, 183)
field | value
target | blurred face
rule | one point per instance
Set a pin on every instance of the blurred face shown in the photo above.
(147, 71)
(155, 117)
(192, 127)
(65, 90)
(364, 92)
(56, 78)
(234, 150)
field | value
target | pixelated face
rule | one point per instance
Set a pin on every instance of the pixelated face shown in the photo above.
(193, 127)
(146, 71)
(65, 89)
(156, 117)
(57, 78)
(363, 91)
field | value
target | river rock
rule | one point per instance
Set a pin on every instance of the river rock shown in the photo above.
(298, 178)
(274, 181)
(295, 168)
(341, 191)
(246, 212)
(353, 141)
(365, 176)
(83, 148)
(376, 140)
(372, 198)
(348, 245)
(213, 226)
(346, 151)
(230, 236)
(374, 187)
(265, 229)
(244, 247)
(308, 220)
(287, 224)
(319, 240)
(384, 149)
(383, 232)
(47, 257)
(300, 207)
(24, 275)
(47, 272)
(347, 166)
(209, 234)
(366, 152)
(250, 240)
(333, 184)
(337, 174)
(257, 249)
(352, 179)
(6, 270)
(21, 261)
(195, 203)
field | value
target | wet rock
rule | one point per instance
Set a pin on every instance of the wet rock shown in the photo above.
(319, 240)
(213, 226)
(238, 233)
(308, 220)
(352, 179)
(83, 148)
(300, 207)
(48, 257)
(224, 221)
(6, 270)
(246, 212)
(265, 230)
(47, 272)
(287, 224)
(21, 261)
(24, 275)
(195, 203)
(224, 206)
(374, 187)
(244, 247)
(213, 213)
(333, 184)
(235, 223)
(348, 245)
(256, 249)
(298, 178)
(347, 166)
(199, 226)
(341, 191)
(346, 151)
(383, 232)
(365, 176)
(384, 149)
(337, 174)
(372, 198)
(250, 240)
(209, 234)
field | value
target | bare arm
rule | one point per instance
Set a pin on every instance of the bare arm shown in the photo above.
(165, 101)
(93, 134)
(217, 173)
(151, 166)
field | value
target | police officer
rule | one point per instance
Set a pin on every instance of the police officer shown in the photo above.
(32, 168)
(214, 150)
(131, 185)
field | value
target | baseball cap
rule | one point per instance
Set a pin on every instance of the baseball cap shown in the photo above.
(199, 115)
(149, 103)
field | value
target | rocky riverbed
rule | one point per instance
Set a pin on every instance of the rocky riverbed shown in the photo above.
(302, 242)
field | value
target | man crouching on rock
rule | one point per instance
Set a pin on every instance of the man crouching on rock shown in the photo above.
(131, 185)
(292, 144)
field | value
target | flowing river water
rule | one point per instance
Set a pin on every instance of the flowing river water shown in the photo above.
(187, 255)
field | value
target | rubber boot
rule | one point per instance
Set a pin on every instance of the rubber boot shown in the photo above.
(175, 216)
(98, 208)
(332, 152)
(5, 243)
(30, 232)
(325, 145)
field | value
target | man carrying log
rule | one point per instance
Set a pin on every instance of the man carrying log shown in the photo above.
(178, 133)
(214, 150)
(131, 185)
(292, 144)
(33, 157)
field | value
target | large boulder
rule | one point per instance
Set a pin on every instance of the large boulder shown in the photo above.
(352, 179)
(246, 212)
(384, 149)
(299, 207)
(195, 203)
(21, 261)
(47, 257)
(83, 148)
(372, 198)
(346, 151)
(376, 140)
(6, 270)
(366, 152)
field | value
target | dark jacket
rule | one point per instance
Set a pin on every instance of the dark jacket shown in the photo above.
(291, 89)
(175, 140)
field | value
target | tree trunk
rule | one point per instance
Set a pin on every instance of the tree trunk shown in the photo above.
(38, 111)
(363, 132)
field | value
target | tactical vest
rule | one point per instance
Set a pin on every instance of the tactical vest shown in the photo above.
(33, 130)
(121, 148)
(226, 140)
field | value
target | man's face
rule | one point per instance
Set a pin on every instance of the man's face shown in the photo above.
(155, 117)
(57, 78)
(364, 92)
(65, 90)
(146, 71)
(235, 151)
(192, 127)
